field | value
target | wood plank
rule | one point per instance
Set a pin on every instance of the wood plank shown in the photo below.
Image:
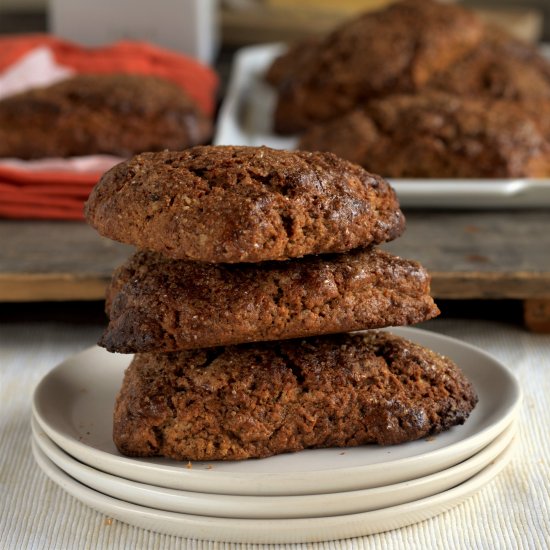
(17, 287)
(470, 255)
(268, 22)
(57, 247)
(480, 254)
(536, 314)
(55, 261)
(489, 286)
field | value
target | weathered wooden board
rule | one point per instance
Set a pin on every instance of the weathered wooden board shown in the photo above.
(288, 21)
(55, 261)
(481, 254)
(470, 255)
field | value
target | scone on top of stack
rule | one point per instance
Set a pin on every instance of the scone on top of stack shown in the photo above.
(253, 266)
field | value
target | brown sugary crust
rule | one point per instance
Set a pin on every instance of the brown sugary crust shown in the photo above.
(438, 135)
(253, 401)
(285, 66)
(539, 112)
(509, 47)
(118, 114)
(397, 49)
(501, 67)
(243, 204)
(157, 304)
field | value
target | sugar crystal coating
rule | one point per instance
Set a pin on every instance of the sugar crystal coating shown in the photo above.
(257, 400)
(243, 204)
(160, 304)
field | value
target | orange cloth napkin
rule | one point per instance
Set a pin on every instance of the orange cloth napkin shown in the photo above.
(44, 194)
(54, 194)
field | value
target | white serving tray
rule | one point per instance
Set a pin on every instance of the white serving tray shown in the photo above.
(246, 117)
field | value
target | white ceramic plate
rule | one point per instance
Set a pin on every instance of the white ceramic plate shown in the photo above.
(246, 118)
(255, 507)
(273, 530)
(73, 405)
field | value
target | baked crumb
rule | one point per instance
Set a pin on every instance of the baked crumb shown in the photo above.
(283, 397)
(267, 204)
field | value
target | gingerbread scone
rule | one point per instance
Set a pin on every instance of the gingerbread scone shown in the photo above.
(397, 49)
(501, 67)
(287, 66)
(253, 401)
(118, 114)
(438, 135)
(160, 304)
(243, 204)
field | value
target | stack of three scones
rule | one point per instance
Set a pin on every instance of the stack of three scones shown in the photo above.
(253, 267)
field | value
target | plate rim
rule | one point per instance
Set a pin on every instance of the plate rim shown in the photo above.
(226, 482)
(263, 506)
(275, 530)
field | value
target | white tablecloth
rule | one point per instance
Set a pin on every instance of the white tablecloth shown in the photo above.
(513, 511)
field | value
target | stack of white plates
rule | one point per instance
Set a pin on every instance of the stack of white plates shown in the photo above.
(313, 495)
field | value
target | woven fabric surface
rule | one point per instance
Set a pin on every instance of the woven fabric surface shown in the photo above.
(512, 511)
